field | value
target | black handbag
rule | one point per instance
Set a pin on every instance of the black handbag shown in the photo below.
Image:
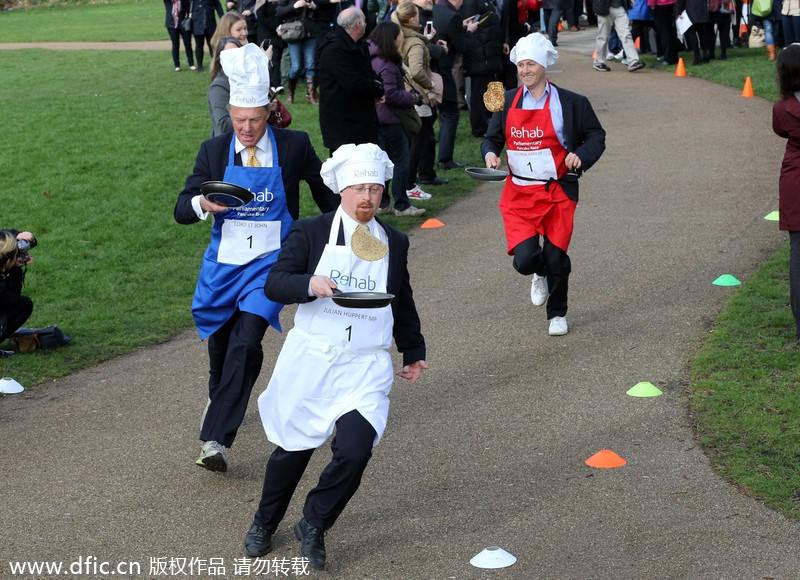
(29, 339)
(186, 23)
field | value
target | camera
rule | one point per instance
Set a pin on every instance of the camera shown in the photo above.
(23, 249)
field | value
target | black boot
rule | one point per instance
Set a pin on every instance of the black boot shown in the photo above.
(312, 543)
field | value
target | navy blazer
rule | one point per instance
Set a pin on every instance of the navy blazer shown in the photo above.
(288, 280)
(582, 131)
(296, 158)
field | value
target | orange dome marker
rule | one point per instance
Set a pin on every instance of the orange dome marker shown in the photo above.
(680, 70)
(432, 223)
(605, 459)
(748, 88)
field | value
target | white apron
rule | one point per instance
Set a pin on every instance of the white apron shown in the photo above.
(335, 359)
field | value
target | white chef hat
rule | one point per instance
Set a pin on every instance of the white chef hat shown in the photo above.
(247, 69)
(356, 164)
(534, 47)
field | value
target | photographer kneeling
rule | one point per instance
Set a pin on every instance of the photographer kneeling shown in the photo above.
(15, 308)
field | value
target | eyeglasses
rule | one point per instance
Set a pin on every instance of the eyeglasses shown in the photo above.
(370, 189)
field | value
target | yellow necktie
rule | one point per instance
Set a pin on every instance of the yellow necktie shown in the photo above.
(252, 161)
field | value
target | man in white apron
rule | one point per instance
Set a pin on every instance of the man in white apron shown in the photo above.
(229, 306)
(552, 135)
(334, 372)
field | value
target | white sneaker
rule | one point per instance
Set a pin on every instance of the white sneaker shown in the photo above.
(538, 290)
(418, 194)
(558, 326)
(214, 457)
(409, 211)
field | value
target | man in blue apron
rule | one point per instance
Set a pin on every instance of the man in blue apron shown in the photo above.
(551, 135)
(229, 306)
(334, 372)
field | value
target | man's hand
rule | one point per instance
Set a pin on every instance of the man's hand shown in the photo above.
(572, 161)
(321, 286)
(413, 371)
(492, 160)
(469, 25)
(506, 48)
(210, 206)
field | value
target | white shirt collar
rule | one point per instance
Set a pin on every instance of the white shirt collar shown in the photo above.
(264, 153)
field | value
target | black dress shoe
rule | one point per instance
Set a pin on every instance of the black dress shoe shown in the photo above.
(312, 543)
(451, 165)
(258, 541)
(434, 181)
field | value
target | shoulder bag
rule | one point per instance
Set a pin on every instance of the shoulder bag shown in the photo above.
(295, 30)
(186, 23)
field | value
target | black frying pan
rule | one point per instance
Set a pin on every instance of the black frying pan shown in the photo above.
(227, 194)
(361, 299)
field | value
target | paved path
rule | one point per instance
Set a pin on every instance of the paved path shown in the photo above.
(489, 448)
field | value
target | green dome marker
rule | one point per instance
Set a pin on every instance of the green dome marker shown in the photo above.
(726, 280)
(644, 389)
(772, 216)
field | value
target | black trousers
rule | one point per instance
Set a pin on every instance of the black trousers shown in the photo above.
(794, 278)
(13, 318)
(546, 259)
(352, 450)
(235, 356)
(665, 32)
(422, 153)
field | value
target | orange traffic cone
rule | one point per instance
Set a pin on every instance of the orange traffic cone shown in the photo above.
(748, 88)
(637, 44)
(560, 27)
(680, 70)
(594, 55)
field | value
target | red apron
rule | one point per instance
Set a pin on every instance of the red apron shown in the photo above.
(534, 152)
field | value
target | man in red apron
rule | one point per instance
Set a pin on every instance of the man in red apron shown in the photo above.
(334, 372)
(229, 306)
(551, 135)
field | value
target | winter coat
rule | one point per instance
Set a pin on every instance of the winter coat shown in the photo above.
(204, 23)
(417, 59)
(697, 10)
(601, 6)
(484, 55)
(393, 87)
(348, 89)
(786, 124)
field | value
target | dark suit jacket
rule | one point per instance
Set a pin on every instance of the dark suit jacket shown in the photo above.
(297, 161)
(287, 282)
(582, 131)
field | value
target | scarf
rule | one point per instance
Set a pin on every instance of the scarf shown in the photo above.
(176, 12)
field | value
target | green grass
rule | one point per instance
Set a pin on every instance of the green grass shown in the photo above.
(741, 63)
(744, 390)
(85, 23)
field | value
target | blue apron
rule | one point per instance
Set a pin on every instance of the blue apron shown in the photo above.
(245, 242)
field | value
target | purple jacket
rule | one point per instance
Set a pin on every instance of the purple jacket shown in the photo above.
(393, 88)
